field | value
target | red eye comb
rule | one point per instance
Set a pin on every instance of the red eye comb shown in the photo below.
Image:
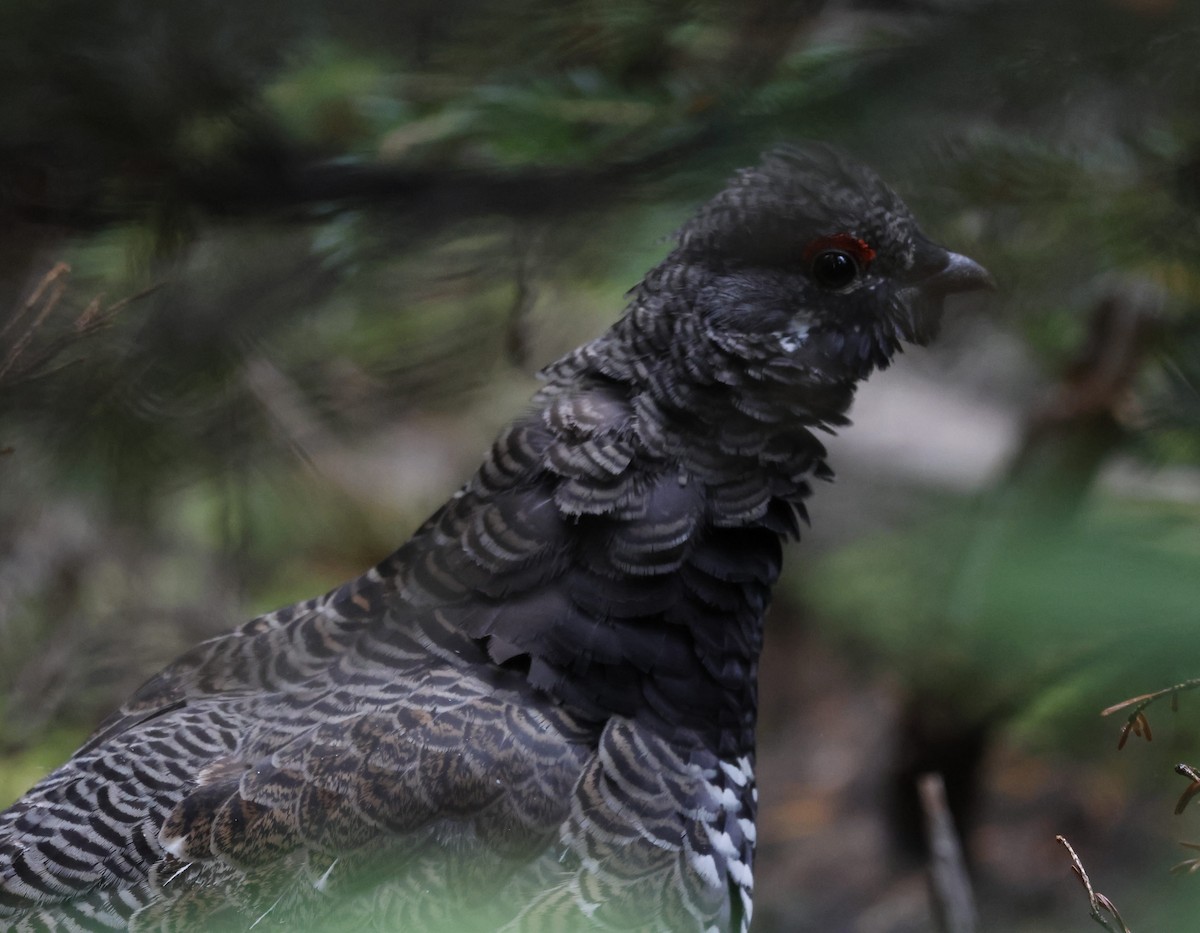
(847, 243)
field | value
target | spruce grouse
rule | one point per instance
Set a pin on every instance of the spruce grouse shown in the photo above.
(538, 714)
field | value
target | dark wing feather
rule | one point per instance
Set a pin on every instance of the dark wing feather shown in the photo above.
(275, 804)
(659, 838)
(271, 650)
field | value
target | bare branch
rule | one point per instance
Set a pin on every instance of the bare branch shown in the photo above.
(54, 282)
(954, 902)
(1192, 775)
(1137, 723)
(1102, 910)
(1187, 866)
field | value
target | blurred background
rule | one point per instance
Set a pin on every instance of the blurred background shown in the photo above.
(272, 274)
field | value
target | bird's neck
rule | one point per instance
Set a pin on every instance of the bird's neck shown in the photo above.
(619, 551)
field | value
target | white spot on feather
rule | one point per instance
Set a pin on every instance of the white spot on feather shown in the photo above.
(722, 843)
(706, 867)
(735, 773)
(740, 873)
(793, 339)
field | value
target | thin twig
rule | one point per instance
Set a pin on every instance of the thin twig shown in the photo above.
(954, 902)
(27, 360)
(1102, 910)
(54, 280)
(60, 269)
(1137, 723)
(93, 317)
(1192, 775)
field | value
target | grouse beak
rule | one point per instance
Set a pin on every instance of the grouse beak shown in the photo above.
(957, 274)
(960, 274)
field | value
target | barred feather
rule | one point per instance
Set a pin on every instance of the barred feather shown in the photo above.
(538, 714)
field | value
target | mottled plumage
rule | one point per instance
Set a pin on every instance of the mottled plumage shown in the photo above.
(539, 713)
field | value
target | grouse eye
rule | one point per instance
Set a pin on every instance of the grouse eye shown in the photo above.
(834, 268)
(836, 261)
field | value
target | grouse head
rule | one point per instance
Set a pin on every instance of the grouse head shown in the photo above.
(792, 284)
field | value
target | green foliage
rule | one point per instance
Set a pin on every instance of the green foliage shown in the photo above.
(30, 765)
(994, 609)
